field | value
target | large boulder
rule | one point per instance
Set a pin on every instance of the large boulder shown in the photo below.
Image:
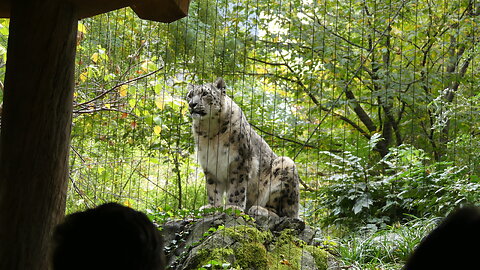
(224, 241)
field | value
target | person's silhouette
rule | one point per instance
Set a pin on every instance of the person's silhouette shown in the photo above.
(454, 244)
(110, 236)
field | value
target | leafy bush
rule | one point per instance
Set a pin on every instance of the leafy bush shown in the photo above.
(388, 248)
(400, 183)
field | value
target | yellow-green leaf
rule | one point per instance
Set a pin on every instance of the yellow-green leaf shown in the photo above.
(82, 28)
(132, 103)
(148, 66)
(123, 90)
(160, 103)
(95, 57)
(83, 76)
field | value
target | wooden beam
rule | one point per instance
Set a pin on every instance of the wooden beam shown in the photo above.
(154, 10)
(161, 10)
(4, 8)
(89, 8)
(85, 8)
(35, 133)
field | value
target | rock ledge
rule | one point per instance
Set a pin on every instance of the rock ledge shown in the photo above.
(224, 241)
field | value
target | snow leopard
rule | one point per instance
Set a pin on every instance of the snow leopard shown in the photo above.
(236, 160)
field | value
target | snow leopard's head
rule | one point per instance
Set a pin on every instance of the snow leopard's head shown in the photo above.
(205, 100)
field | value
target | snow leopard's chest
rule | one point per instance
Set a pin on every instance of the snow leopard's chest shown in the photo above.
(215, 156)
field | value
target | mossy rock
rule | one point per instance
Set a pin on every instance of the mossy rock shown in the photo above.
(244, 233)
(320, 256)
(232, 242)
(250, 248)
(252, 255)
(288, 252)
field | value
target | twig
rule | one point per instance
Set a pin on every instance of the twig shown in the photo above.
(266, 62)
(81, 111)
(78, 154)
(157, 186)
(317, 20)
(86, 200)
(117, 86)
(282, 138)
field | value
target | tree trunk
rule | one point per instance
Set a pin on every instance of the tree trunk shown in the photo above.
(35, 133)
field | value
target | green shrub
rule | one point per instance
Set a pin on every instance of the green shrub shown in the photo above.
(400, 183)
(387, 248)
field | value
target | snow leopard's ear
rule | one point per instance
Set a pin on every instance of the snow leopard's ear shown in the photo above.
(220, 84)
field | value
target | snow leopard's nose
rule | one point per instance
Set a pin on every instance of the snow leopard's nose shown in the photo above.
(192, 104)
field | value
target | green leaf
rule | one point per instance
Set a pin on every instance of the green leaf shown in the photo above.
(132, 103)
(363, 202)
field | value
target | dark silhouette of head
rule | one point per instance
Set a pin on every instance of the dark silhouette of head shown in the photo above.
(451, 245)
(110, 236)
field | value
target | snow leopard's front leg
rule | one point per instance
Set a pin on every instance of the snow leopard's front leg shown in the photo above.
(237, 191)
(239, 168)
(215, 190)
(237, 184)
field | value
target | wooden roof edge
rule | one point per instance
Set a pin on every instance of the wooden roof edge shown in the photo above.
(155, 10)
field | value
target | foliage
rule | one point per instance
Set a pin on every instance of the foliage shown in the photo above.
(329, 76)
(376, 101)
(387, 248)
(373, 65)
(400, 183)
(160, 215)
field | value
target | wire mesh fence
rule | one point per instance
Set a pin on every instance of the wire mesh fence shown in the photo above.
(376, 101)
(357, 92)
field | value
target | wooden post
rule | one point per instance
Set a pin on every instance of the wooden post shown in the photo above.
(35, 132)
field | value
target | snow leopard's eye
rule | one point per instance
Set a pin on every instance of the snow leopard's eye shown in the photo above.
(204, 94)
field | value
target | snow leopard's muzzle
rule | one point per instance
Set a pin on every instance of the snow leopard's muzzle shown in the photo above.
(196, 110)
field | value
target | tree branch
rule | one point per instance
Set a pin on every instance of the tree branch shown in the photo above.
(284, 139)
(82, 111)
(318, 21)
(266, 62)
(117, 86)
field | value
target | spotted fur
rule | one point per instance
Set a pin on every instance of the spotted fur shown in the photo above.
(236, 161)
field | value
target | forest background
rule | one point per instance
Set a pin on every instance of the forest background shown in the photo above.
(376, 101)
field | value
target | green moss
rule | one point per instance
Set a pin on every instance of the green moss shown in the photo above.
(250, 252)
(252, 256)
(246, 234)
(254, 249)
(219, 254)
(285, 253)
(320, 256)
